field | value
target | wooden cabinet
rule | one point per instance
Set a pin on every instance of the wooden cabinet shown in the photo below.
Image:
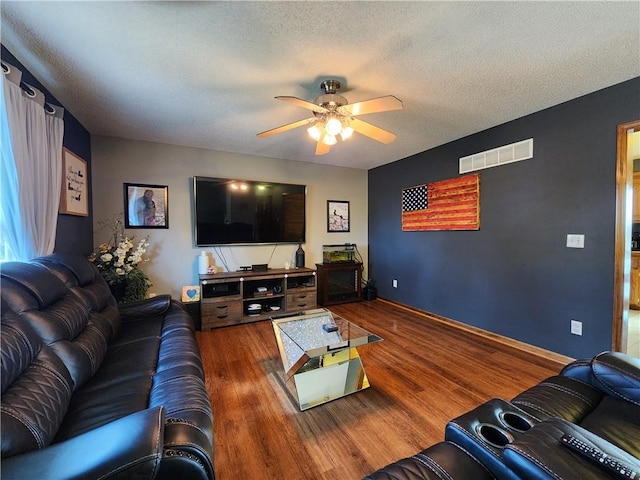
(301, 296)
(636, 197)
(220, 312)
(634, 297)
(339, 282)
(231, 298)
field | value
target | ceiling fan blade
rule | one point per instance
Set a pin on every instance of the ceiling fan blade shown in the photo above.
(381, 104)
(372, 131)
(321, 147)
(289, 126)
(298, 102)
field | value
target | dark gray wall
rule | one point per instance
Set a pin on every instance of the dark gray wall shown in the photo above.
(74, 234)
(515, 276)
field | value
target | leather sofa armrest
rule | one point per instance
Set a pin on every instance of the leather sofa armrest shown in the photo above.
(618, 374)
(148, 307)
(539, 454)
(613, 373)
(579, 370)
(129, 447)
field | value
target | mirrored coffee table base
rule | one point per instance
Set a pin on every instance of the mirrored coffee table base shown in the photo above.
(319, 356)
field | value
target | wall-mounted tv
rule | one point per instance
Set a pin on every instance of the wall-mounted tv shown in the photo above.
(233, 211)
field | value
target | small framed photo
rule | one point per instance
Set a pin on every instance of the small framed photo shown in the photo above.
(74, 195)
(337, 216)
(191, 293)
(146, 206)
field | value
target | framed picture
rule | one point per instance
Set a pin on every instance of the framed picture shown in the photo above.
(337, 216)
(146, 206)
(74, 195)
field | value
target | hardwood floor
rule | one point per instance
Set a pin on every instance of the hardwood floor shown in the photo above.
(423, 374)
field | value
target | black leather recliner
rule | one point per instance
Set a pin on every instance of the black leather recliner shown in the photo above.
(92, 389)
(596, 401)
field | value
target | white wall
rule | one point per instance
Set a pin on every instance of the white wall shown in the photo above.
(173, 255)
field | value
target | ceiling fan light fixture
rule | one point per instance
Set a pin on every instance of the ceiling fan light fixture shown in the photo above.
(346, 132)
(329, 140)
(333, 115)
(333, 126)
(314, 132)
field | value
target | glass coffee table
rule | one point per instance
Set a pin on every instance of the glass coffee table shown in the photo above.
(319, 355)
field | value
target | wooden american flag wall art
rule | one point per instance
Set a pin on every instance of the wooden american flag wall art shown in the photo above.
(452, 204)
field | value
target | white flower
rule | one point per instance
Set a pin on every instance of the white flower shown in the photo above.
(106, 257)
(120, 271)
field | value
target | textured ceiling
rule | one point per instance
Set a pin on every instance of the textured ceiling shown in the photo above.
(204, 74)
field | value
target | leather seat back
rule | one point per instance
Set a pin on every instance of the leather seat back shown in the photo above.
(57, 316)
(85, 281)
(36, 387)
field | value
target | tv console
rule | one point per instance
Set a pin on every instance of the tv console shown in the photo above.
(231, 298)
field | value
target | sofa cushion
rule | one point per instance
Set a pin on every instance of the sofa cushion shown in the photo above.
(36, 387)
(96, 405)
(559, 396)
(617, 421)
(143, 368)
(57, 316)
(84, 280)
(123, 383)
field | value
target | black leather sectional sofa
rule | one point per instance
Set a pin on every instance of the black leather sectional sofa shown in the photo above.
(597, 402)
(96, 390)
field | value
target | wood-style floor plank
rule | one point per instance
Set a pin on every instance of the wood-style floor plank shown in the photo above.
(422, 375)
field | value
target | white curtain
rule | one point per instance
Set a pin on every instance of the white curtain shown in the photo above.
(32, 133)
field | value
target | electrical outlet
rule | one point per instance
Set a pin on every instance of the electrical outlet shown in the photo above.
(395, 283)
(576, 327)
(575, 240)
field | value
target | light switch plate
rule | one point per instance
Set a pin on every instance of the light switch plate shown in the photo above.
(575, 240)
(576, 327)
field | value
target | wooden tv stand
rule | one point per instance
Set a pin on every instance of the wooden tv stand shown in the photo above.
(225, 297)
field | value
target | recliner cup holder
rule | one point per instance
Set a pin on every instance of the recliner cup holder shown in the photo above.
(487, 429)
(515, 421)
(495, 436)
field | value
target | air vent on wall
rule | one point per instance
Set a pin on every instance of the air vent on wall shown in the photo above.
(514, 152)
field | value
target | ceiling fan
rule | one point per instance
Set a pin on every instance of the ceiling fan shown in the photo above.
(333, 115)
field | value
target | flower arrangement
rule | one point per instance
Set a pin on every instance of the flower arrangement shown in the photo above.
(118, 260)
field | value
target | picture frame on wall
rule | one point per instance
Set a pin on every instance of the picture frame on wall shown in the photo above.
(338, 216)
(74, 194)
(146, 206)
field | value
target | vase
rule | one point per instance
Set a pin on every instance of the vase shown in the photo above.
(300, 257)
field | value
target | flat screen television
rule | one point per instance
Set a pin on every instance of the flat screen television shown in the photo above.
(241, 212)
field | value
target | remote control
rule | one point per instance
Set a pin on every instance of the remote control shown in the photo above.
(598, 456)
(329, 327)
